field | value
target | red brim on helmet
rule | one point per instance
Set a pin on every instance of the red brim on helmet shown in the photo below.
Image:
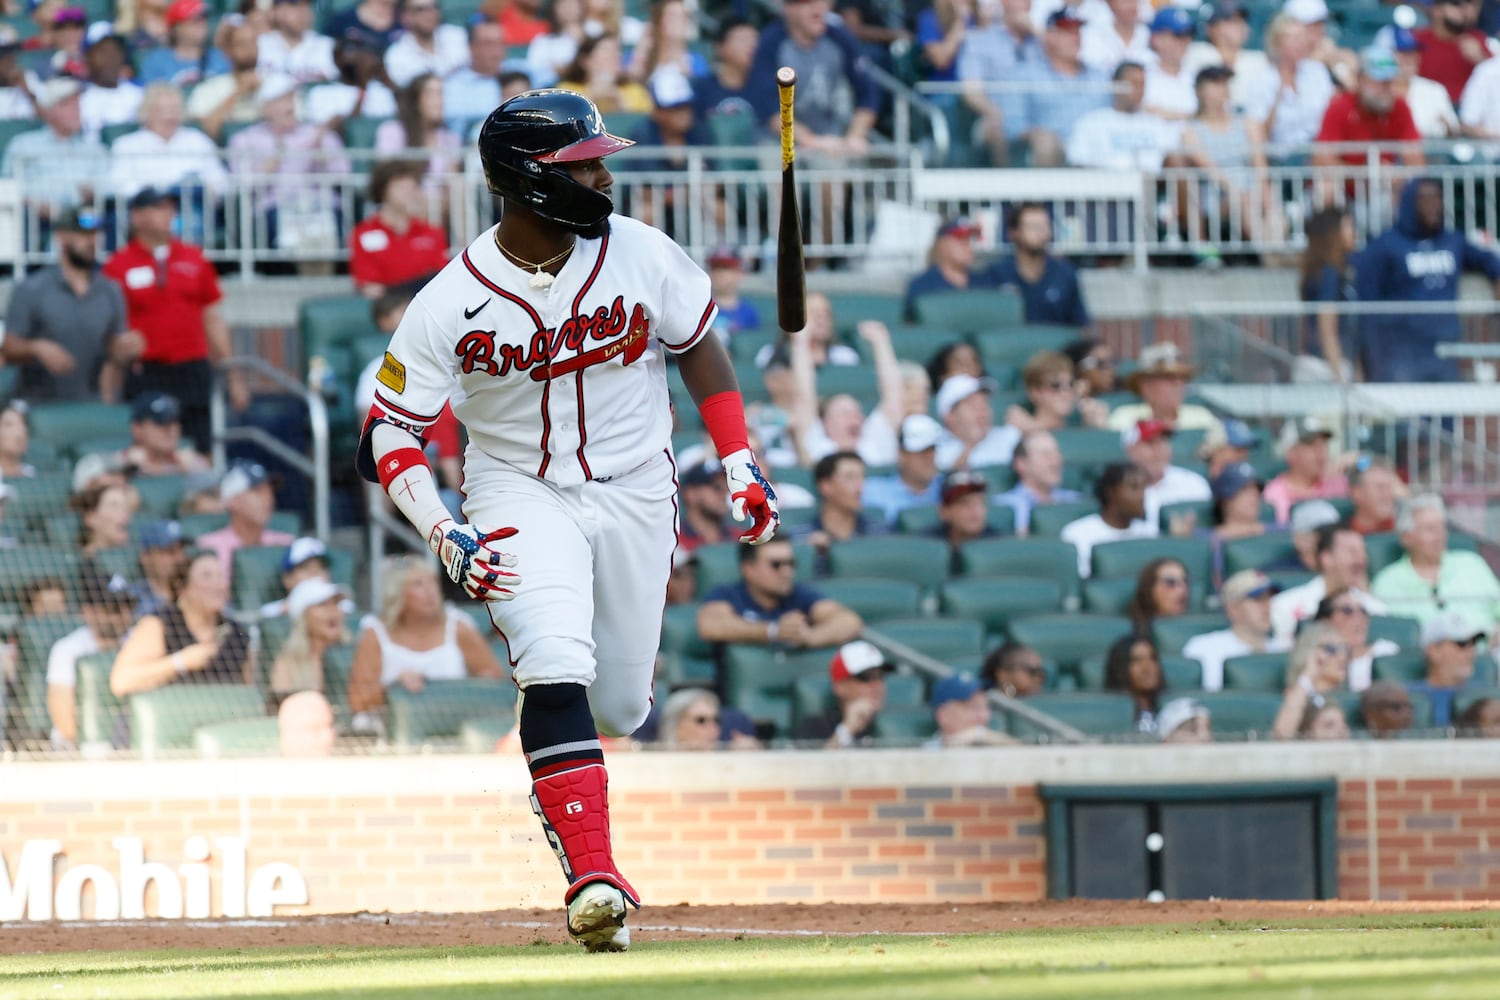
(592, 148)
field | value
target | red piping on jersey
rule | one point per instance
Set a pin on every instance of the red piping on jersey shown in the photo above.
(541, 470)
(583, 433)
(403, 412)
(487, 283)
(702, 328)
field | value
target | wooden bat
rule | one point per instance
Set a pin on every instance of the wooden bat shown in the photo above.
(791, 271)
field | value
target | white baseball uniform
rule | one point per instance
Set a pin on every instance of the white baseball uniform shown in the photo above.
(563, 392)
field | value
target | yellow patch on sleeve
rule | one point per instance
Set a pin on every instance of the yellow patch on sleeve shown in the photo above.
(392, 374)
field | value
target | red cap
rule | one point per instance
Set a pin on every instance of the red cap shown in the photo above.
(1146, 430)
(856, 658)
(185, 10)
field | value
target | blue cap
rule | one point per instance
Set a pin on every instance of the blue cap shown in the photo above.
(300, 551)
(1379, 64)
(1174, 20)
(1232, 479)
(160, 534)
(1226, 10)
(1237, 434)
(954, 687)
(241, 478)
(155, 407)
(1404, 40)
(149, 197)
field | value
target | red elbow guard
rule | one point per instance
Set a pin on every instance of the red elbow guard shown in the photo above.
(398, 462)
(724, 415)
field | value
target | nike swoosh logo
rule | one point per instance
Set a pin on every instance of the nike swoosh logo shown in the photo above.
(471, 313)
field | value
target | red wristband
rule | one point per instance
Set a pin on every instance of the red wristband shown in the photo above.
(724, 415)
(398, 462)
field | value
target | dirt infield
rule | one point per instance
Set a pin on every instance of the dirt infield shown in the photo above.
(658, 923)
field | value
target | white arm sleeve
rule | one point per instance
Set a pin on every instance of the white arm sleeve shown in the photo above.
(413, 491)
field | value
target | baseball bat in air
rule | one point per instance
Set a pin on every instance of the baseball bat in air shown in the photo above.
(791, 273)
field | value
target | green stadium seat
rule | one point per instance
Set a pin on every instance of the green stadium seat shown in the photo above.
(1286, 579)
(1067, 639)
(1049, 521)
(1404, 632)
(1421, 711)
(920, 343)
(123, 561)
(1235, 713)
(1130, 556)
(1016, 345)
(1044, 558)
(37, 498)
(75, 428)
(994, 600)
(903, 724)
(905, 691)
(1202, 512)
(1109, 596)
(442, 708)
(101, 716)
(62, 530)
(759, 680)
(1185, 447)
(1089, 447)
(109, 133)
(255, 576)
(735, 130)
(1383, 549)
(34, 639)
(1256, 672)
(164, 719)
(1464, 699)
(338, 664)
(160, 495)
(811, 697)
(856, 380)
(1257, 553)
(1096, 713)
(969, 311)
(238, 738)
(1171, 634)
(957, 642)
(359, 131)
(1181, 673)
(25, 564)
(1404, 667)
(43, 457)
(874, 599)
(626, 123)
(852, 308)
(921, 560)
(12, 127)
(481, 735)
(461, 12)
(746, 344)
(329, 324)
(687, 659)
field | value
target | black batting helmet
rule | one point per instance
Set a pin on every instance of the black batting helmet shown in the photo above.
(524, 144)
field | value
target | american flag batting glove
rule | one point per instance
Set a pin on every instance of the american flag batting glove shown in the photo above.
(466, 553)
(751, 497)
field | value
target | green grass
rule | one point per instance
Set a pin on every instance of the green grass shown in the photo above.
(1452, 957)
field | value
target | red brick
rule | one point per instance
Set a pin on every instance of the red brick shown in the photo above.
(917, 850)
(817, 833)
(1428, 784)
(985, 831)
(805, 872)
(792, 814)
(1456, 803)
(731, 816)
(846, 851)
(855, 813)
(942, 810)
(874, 795)
(760, 795)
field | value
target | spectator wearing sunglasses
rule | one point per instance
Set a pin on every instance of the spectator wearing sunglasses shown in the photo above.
(858, 672)
(1432, 578)
(1344, 610)
(1161, 591)
(1316, 670)
(1015, 670)
(66, 323)
(1450, 644)
(1094, 361)
(1052, 400)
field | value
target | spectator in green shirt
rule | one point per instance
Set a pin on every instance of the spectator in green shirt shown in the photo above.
(1431, 578)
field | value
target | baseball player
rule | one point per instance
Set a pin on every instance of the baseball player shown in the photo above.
(549, 333)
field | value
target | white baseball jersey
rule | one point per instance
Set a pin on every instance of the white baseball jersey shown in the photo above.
(566, 383)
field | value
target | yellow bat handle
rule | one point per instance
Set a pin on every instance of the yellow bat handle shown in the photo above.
(786, 85)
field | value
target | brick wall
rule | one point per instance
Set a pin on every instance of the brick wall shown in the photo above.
(456, 833)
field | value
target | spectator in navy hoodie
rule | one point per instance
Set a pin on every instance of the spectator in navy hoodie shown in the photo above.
(1417, 260)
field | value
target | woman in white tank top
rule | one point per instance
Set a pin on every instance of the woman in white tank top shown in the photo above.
(415, 638)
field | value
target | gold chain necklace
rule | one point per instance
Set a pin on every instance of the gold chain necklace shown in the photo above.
(541, 279)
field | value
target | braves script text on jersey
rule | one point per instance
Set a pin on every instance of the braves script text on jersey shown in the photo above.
(564, 395)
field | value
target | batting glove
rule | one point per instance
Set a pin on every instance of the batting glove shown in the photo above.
(750, 496)
(471, 562)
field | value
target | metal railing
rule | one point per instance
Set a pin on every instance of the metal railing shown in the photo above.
(315, 467)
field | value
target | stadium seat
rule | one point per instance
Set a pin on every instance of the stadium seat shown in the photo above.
(34, 639)
(359, 131)
(100, 716)
(1096, 713)
(1202, 512)
(164, 719)
(856, 380)
(109, 133)
(1015, 345)
(1171, 634)
(481, 735)
(968, 311)
(903, 724)
(735, 130)
(746, 344)
(1050, 520)
(238, 738)
(461, 12)
(687, 659)
(994, 600)
(921, 560)
(443, 707)
(1089, 446)
(1383, 549)
(63, 529)
(338, 664)
(1130, 556)
(811, 697)
(1403, 667)
(1181, 674)
(1404, 632)
(913, 342)
(76, 428)
(12, 127)
(1464, 699)
(759, 680)
(255, 576)
(273, 635)
(24, 564)
(1272, 548)
(36, 498)
(1066, 639)
(1045, 558)
(1286, 579)
(1256, 672)
(957, 642)
(874, 599)
(332, 322)
(1234, 713)
(1108, 596)
(851, 308)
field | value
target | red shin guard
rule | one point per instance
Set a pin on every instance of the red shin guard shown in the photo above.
(573, 806)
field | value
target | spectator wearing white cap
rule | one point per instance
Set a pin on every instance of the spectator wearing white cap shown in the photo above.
(1038, 464)
(231, 96)
(305, 559)
(1451, 645)
(250, 501)
(1285, 102)
(316, 609)
(1121, 492)
(427, 45)
(1309, 471)
(1149, 446)
(58, 166)
(858, 672)
(1247, 603)
(1343, 563)
(293, 48)
(1432, 579)
(961, 710)
(970, 438)
(1306, 519)
(915, 482)
(1184, 720)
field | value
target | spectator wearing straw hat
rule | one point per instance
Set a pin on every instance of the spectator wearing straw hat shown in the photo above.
(1160, 379)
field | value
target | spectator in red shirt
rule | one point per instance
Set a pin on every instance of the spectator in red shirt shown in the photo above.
(395, 245)
(519, 22)
(1451, 45)
(1371, 113)
(172, 298)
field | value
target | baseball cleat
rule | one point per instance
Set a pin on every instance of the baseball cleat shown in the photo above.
(596, 918)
